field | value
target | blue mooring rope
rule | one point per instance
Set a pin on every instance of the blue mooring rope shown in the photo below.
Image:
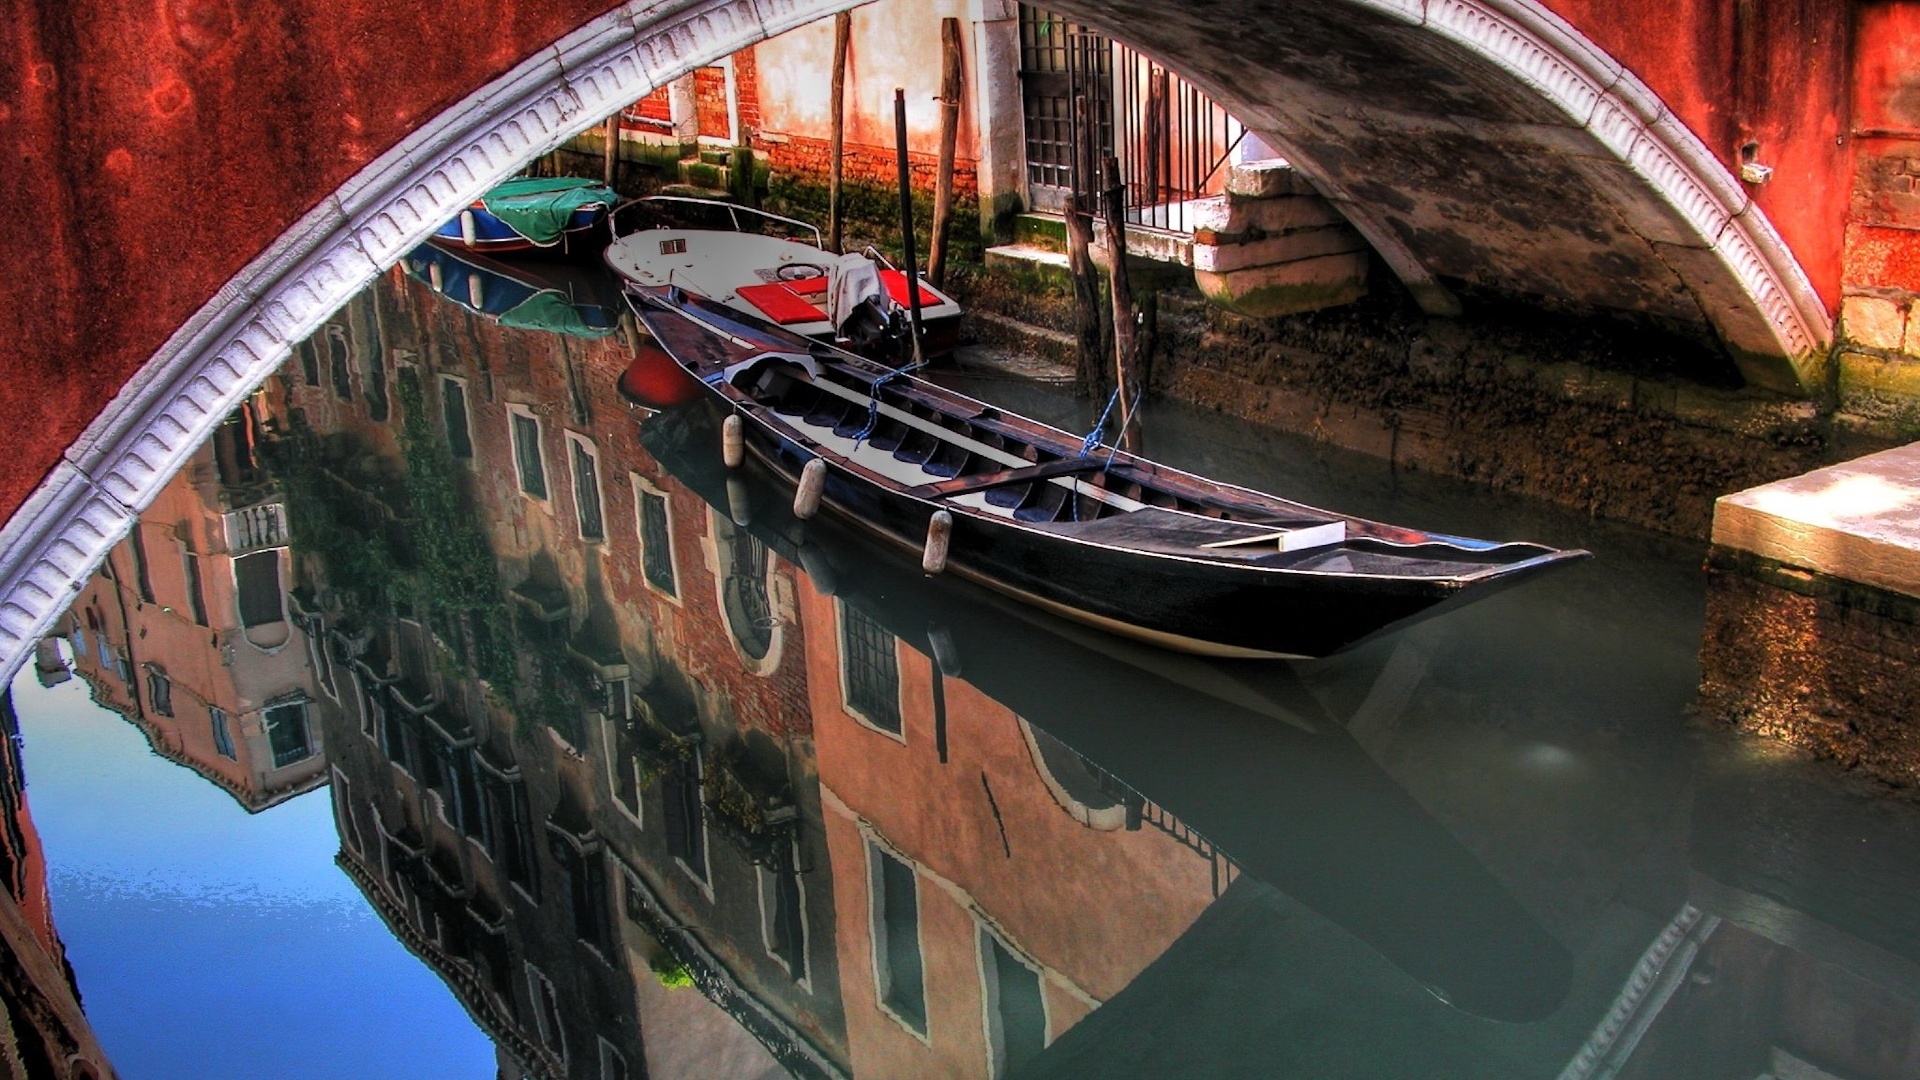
(1099, 426)
(873, 402)
(1092, 440)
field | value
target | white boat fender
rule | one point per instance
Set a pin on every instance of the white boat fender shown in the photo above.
(436, 277)
(739, 502)
(476, 292)
(806, 497)
(469, 233)
(939, 533)
(946, 655)
(819, 570)
(733, 441)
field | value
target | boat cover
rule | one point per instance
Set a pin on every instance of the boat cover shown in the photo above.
(855, 281)
(539, 208)
(552, 311)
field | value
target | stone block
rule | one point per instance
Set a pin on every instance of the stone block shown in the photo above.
(1232, 216)
(1911, 346)
(1872, 321)
(1289, 288)
(1274, 250)
(1266, 179)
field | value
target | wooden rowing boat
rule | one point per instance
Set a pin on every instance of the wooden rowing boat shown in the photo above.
(1086, 531)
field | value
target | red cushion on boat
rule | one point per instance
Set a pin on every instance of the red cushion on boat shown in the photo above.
(780, 303)
(896, 282)
(808, 286)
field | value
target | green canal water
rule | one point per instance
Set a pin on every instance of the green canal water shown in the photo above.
(453, 718)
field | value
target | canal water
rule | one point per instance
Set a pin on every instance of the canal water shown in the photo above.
(449, 715)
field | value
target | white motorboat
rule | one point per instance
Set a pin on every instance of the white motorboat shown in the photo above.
(857, 300)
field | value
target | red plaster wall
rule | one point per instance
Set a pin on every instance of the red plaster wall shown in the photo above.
(135, 132)
(1775, 73)
(1883, 233)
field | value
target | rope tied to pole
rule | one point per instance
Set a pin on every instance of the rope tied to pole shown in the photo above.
(1099, 426)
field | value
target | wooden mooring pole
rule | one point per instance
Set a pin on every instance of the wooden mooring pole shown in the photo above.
(1126, 338)
(906, 221)
(613, 150)
(1089, 361)
(837, 139)
(949, 133)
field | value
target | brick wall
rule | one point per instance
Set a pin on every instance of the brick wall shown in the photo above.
(808, 160)
(710, 101)
(1827, 666)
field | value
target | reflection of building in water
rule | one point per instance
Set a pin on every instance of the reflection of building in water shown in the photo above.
(186, 628)
(46, 1034)
(993, 886)
(578, 764)
(583, 765)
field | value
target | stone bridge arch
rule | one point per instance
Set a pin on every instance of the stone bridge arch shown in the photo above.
(1480, 141)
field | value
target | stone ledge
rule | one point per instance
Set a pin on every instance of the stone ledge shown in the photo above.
(1858, 521)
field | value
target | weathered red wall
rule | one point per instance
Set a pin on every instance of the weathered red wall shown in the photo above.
(1735, 71)
(154, 148)
(1883, 233)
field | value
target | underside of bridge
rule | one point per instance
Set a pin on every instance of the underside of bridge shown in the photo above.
(233, 175)
(1493, 149)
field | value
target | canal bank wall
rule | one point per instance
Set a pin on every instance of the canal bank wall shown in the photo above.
(1813, 614)
(1620, 422)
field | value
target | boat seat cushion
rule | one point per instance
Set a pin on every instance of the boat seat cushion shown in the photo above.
(808, 286)
(780, 303)
(896, 283)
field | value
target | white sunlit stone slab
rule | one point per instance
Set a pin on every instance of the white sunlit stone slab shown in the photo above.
(1856, 521)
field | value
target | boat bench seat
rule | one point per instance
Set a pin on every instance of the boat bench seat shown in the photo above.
(780, 303)
(1157, 529)
(962, 485)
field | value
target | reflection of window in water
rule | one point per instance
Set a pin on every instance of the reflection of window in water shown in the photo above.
(287, 734)
(656, 542)
(749, 609)
(338, 355)
(612, 1065)
(222, 733)
(583, 880)
(546, 1012)
(453, 411)
(374, 375)
(527, 456)
(586, 490)
(684, 816)
(159, 692)
(257, 577)
(310, 362)
(196, 589)
(137, 544)
(894, 904)
(1086, 783)
(870, 669)
(1016, 1008)
(783, 917)
(510, 827)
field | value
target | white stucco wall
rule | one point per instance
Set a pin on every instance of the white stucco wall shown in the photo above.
(895, 43)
